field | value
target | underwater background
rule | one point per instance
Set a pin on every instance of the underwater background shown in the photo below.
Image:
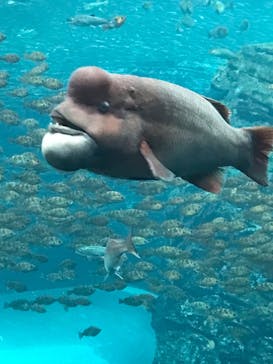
(202, 291)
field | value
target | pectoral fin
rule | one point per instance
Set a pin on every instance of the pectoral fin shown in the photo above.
(106, 277)
(157, 168)
(118, 275)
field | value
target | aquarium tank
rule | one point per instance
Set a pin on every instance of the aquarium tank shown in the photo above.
(100, 269)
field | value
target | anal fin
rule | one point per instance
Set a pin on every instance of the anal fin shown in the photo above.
(211, 182)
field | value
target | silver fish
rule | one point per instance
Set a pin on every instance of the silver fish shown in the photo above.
(114, 254)
(91, 251)
(87, 20)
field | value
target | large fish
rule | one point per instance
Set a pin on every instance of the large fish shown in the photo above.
(133, 127)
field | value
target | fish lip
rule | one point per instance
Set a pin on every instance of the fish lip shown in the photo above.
(58, 128)
(60, 124)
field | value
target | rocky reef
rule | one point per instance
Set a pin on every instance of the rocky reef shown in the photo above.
(245, 84)
(215, 328)
(179, 338)
(208, 322)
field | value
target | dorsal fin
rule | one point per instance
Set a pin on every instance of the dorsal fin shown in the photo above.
(211, 182)
(130, 246)
(221, 108)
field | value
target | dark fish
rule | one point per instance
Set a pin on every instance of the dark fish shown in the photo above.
(10, 58)
(186, 6)
(111, 286)
(244, 25)
(37, 308)
(141, 128)
(82, 291)
(144, 299)
(2, 37)
(218, 32)
(90, 331)
(67, 301)
(82, 301)
(16, 286)
(21, 304)
(41, 258)
(44, 300)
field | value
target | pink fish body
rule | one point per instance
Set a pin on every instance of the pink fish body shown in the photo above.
(134, 127)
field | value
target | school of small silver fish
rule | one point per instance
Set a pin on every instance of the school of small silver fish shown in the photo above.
(162, 237)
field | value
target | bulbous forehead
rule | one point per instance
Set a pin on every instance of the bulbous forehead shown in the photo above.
(87, 85)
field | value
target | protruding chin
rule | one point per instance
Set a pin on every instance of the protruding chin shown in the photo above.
(68, 152)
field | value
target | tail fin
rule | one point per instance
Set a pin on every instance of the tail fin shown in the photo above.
(80, 335)
(262, 144)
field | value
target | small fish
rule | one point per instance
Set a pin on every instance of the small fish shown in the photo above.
(16, 286)
(147, 5)
(187, 21)
(219, 7)
(111, 286)
(144, 299)
(67, 302)
(218, 32)
(2, 37)
(91, 251)
(223, 53)
(10, 58)
(35, 56)
(87, 20)
(114, 254)
(44, 300)
(82, 301)
(96, 4)
(90, 331)
(116, 22)
(244, 25)
(21, 304)
(37, 308)
(82, 291)
(186, 6)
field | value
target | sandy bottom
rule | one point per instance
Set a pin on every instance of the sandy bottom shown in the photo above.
(52, 337)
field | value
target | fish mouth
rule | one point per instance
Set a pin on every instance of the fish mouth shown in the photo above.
(60, 124)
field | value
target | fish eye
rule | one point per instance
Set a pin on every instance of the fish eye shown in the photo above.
(104, 107)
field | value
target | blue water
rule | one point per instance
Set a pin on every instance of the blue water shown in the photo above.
(146, 45)
(54, 337)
